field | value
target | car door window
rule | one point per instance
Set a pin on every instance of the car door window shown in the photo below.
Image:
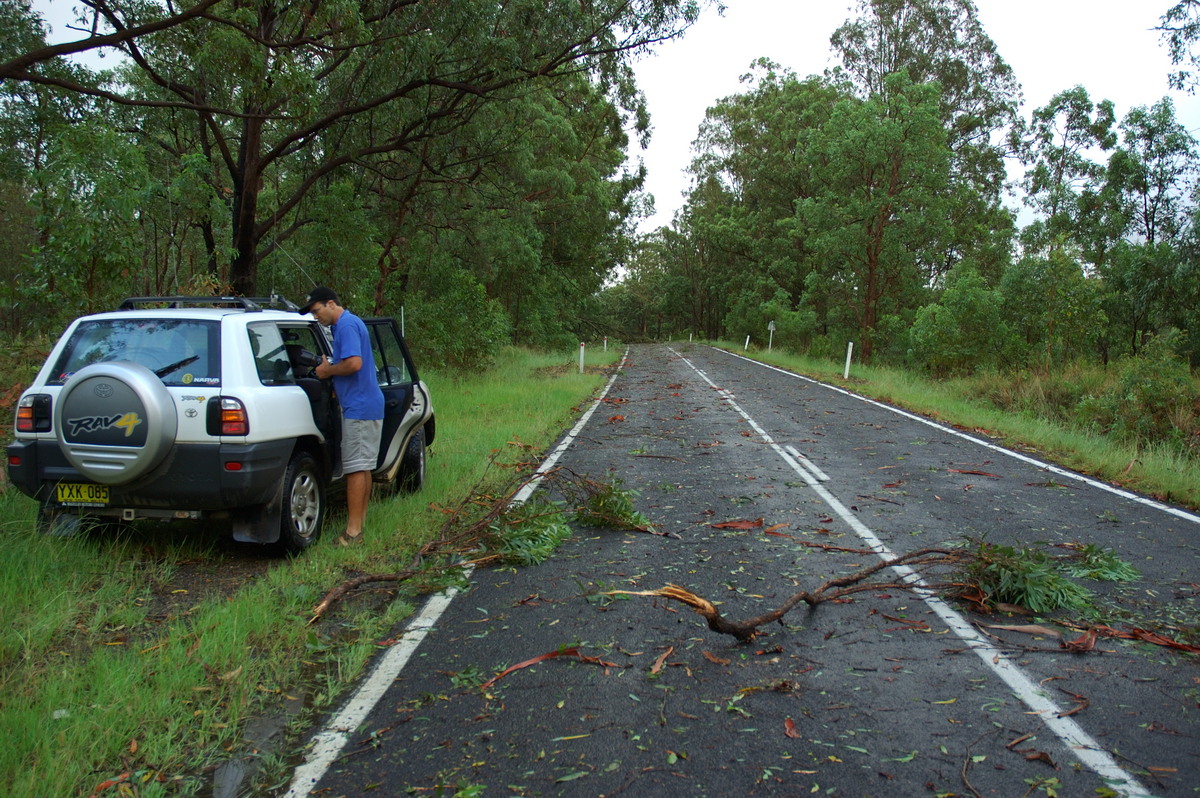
(277, 348)
(391, 366)
(270, 354)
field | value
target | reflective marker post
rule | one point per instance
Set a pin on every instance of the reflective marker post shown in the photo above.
(849, 352)
(581, 350)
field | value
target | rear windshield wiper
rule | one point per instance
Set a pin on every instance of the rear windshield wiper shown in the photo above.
(165, 370)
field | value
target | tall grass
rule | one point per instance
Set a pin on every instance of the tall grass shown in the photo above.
(101, 681)
(1025, 412)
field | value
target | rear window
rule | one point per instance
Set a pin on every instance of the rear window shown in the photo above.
(179, 351)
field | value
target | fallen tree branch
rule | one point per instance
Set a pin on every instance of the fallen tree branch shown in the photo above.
(463, 542)
(832, 589)
(562, 652)
(345, 588)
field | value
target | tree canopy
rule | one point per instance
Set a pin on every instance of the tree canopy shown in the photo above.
(391, 145)
(870, 204)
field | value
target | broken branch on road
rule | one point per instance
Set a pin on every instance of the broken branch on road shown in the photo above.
(831, 590)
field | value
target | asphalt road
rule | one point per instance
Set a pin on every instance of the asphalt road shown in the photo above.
(891, 692)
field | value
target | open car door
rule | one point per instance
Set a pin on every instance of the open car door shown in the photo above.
(405, 400)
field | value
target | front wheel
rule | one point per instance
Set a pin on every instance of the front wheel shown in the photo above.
(412, 463)
(303, 510)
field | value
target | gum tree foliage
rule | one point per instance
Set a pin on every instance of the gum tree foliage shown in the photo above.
(878, 216)
(749, 174)
(943, 42)
(1052, 307)
(826, 188)
(652, 301)
(1151, 180)
(964, 330)
(36, 123)
(749, 146)
(1180, 28)
(1054, 146)
(286, 103)
(527, 204)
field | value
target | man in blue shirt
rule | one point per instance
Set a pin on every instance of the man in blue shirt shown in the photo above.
(353, 373)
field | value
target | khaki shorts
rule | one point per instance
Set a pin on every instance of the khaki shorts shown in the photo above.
(360, 444)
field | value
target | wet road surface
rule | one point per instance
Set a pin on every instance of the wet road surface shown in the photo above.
(889, 692)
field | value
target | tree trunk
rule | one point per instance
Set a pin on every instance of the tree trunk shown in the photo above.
(243, 270)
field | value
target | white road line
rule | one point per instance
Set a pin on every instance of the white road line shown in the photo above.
(1086, 750)
(809, 464)
(1124, 494)
(328, 744)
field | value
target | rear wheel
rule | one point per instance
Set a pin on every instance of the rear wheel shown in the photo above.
(412, 463)
(303, 503)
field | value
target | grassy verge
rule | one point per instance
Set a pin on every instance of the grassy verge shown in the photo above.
(117, 676)
(1154, 470)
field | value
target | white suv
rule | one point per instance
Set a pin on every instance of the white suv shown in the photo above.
(205, 407)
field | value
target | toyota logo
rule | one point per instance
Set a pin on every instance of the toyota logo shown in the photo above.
(103, 390)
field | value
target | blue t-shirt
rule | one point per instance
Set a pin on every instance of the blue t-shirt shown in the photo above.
(359, 392)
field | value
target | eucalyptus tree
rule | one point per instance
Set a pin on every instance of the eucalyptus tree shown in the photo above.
(1151, 183)
(1155, 169)
(878, 215)
(287, 97)
(942, 42)
(1052, 307)
(71, 187)
(750, 145)
(1058, 147)
(529, 200)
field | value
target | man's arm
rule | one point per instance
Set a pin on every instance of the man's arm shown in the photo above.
(343, 368)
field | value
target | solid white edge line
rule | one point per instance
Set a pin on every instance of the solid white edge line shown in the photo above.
(327, 745)
(1080, 743)
(1166, 508)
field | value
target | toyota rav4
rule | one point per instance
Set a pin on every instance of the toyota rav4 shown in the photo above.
(205, 407)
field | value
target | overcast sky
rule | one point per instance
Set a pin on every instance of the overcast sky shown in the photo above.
(1107, 46)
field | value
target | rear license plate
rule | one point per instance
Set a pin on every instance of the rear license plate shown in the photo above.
(78, 493)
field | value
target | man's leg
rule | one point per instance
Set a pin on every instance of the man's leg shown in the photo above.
(358, 493)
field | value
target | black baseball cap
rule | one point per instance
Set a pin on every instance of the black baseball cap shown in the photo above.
(319, 294)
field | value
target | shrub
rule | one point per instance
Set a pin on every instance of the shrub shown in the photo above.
(963, 331)
(1153, 398)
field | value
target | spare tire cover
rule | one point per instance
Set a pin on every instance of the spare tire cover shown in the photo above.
(114, 421)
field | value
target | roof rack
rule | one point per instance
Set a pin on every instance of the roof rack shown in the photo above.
(243, 302)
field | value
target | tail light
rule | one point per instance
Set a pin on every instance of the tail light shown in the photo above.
(227, 416)
(33, 413)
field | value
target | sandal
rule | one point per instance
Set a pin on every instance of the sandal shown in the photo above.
(346, 539)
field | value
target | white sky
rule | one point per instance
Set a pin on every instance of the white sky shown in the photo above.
(1107, 46)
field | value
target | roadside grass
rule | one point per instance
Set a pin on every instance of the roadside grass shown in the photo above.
(1156, 470)
(112, 678)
